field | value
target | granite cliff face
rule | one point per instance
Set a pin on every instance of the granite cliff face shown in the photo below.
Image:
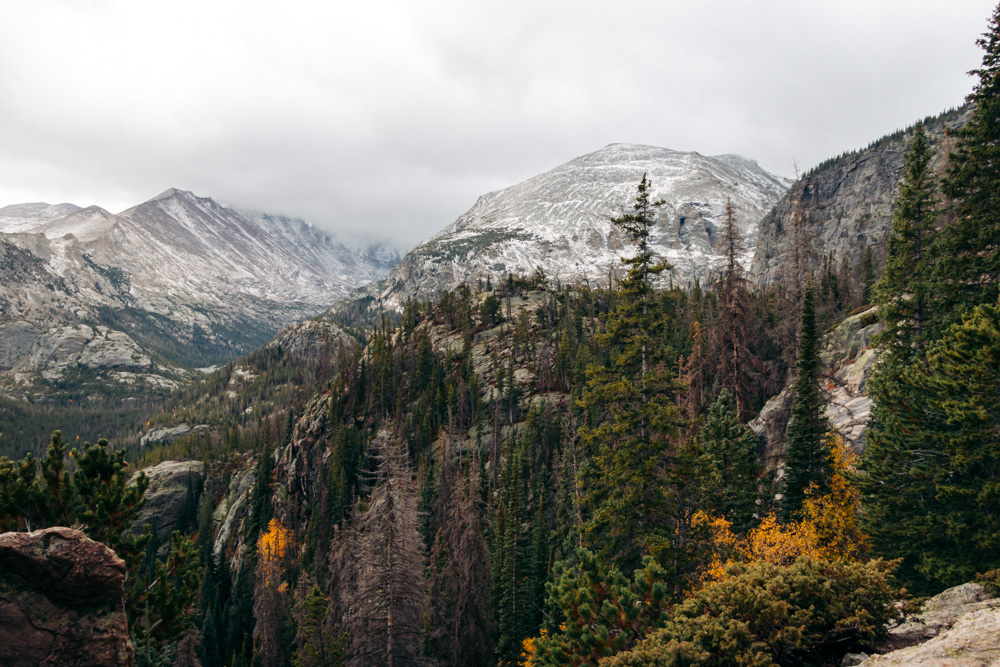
(61, 601)
(172, 485)
(845, 204)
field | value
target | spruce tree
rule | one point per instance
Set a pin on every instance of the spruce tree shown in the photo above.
(636, 419)
(730, 450)
(929, 468)
(733, 330)
(806, 450)
(512, 604)
(969, 266)
(903, 294)
(318, 643)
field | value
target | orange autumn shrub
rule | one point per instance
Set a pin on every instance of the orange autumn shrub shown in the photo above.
(827, 528)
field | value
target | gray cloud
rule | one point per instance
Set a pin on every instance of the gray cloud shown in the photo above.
(390, 118)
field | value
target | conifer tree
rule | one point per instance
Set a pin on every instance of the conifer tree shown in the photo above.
(108, 503)
(58, 483)
(931, 449)
(459, 610)
(512, 603)
(806, 449)
(598, 612)
(734, 327)
(387, 602)
(318, 644)
(732, 464)
(970, 247)
(867, 274)
(904, 293)
(633, 400)
(928, 482)
(20, 502)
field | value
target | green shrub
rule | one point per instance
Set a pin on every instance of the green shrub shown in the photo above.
(808, 613)
(991, 582)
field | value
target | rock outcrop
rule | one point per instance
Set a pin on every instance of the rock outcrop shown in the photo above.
(313, 339)
(170, 433)
(61, 601)
(958, 628)
(846, 364)
(171, 485)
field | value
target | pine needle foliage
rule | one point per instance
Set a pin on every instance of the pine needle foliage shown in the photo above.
(807, 459)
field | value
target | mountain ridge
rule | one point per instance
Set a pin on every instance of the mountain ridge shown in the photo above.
(188, 281)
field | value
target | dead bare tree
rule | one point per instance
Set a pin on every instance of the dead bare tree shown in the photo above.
(735, 326)
(386, 607)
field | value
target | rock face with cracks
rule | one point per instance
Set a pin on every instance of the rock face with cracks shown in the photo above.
(172, 484)
(61, 601)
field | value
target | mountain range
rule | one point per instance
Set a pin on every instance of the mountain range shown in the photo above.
(174, 283)
(180, 281)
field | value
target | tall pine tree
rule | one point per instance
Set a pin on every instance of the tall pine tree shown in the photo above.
(970, 262)
(929, 469)
(732, 463)
(904, 293)
(636, 420)
(734, 328)
(806, 450)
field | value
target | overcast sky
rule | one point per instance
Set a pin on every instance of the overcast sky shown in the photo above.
(392, 117)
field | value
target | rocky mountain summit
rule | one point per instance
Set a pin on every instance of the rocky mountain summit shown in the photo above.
(560, 221)
(177, 281)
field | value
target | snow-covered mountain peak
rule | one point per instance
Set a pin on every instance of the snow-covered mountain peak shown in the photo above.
(38, 210)
(170, 193)
(86, 225)
(18, 218)
(560, 221)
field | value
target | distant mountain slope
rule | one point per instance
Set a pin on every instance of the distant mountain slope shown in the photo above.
(185, 280)
(560, 221)
(846, 204)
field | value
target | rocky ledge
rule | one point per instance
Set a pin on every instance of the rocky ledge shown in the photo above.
(958, 628)
(61, 601)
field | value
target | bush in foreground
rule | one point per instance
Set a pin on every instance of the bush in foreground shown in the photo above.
(765, 614)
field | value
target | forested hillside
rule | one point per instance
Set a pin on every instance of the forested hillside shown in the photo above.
(522, 473)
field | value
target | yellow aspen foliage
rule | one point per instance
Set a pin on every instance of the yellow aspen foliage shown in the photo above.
(273, 544)
(529, 646)
(771, 542)
(528, 649)
(827, 528)
(834, 516)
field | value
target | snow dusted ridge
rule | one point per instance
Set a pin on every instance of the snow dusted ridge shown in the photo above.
(177, 267)
(560, 221)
